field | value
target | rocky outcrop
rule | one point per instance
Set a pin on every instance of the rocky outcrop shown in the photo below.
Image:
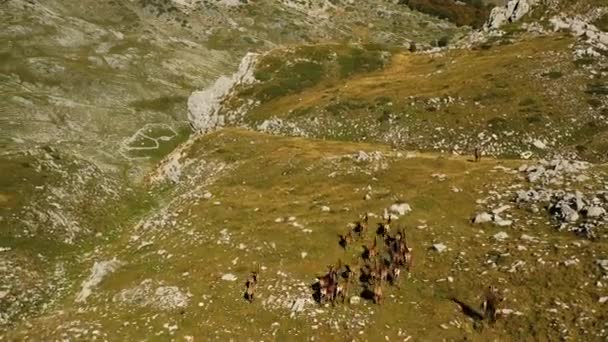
(98, 272)
(204, 106)
(511, 12)
(583, 30)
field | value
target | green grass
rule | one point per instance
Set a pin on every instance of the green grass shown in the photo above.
(497, 84)
(161, 104)
(295, 182)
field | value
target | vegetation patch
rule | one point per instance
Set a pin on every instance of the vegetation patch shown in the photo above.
(160, 104)
(602, 23)
(473, 13)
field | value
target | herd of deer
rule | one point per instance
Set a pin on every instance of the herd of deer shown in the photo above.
(375, 266)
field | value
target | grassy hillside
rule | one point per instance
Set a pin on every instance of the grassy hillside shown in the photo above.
(170, 283)
(503, 96)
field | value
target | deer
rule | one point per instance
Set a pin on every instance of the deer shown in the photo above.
(382, 230)
(395, 273)
(361, 226)
(328, 293)
(406, 254)
(490, 303)
(378, 296)
(329, 278)
(383, 271)
(365, 223)
(373, 251)
(251, 285)
(477, 154)
(346, 240)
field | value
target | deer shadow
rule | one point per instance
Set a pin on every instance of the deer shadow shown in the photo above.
(316, 292)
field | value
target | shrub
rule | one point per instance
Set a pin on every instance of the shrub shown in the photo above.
(553, 74)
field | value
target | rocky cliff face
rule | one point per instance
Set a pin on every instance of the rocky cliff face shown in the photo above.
(513, 11)
(204, 106)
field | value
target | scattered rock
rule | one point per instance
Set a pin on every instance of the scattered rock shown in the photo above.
(98, 272)
(482, 218)
(500, 236)
(596, 211)
(229, 277)
(400, 208)
(440, 247)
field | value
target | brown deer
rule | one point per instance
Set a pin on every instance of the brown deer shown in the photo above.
(383, 271)
(346, 240)
(395, 274)
(477, 154)
(328, 293)
(329, 278)
(251, 285)
(490, 303)
(378, 295)
(365, 223)
(373, 251)
(382, 230)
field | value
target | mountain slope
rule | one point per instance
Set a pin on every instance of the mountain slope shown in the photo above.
(177, 264)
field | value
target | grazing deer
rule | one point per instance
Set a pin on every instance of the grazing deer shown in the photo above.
(251, 285)
(477, 154)
(490, 303)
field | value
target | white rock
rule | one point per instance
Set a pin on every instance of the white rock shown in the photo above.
(229, 277)
(512, 11)
(596, 211)
(355, 300)
(298, 305)
(325, 209)
(400, 208)
(204, 106)
(207, 195)
(539, 144)
(500, 236)
(502, 223)
(603, 300)
(303, 255)
(482, 218)
(529, 238)
(526, 155)
(440, 247)
(98, 272)
(501, 209)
